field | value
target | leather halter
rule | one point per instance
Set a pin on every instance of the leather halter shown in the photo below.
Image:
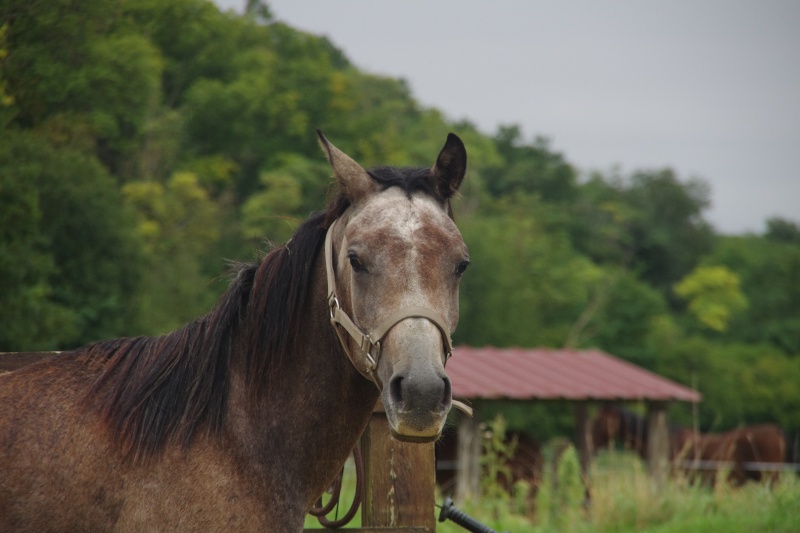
(369, 343)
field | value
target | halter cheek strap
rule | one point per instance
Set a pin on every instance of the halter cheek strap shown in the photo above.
(369, 344)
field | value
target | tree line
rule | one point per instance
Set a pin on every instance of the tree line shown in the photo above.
(141, 142)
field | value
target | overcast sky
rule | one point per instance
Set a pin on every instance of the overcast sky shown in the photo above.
(709, 88)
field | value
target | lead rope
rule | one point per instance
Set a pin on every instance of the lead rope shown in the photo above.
(321, 511)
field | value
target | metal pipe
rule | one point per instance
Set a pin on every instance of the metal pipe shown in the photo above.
(449, 512)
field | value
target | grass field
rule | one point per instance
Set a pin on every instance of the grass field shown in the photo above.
(624, 500)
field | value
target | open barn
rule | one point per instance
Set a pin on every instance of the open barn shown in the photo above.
(582, 377)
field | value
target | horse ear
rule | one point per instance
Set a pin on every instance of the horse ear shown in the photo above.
(450, 167)
(352, 177)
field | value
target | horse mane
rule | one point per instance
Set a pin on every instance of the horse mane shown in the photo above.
(155, 390)
(410, 180)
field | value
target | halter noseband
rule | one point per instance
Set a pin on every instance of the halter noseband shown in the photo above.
(370, 343)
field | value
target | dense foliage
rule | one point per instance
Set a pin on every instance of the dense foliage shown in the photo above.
(143, 141)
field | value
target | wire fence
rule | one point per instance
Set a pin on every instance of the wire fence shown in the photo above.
(751, 466)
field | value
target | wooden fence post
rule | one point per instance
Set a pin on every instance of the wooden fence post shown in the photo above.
(583, 438)
(399, 479)
(657, 442)
(468, 453)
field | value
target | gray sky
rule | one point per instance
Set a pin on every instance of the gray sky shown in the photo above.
(709, 88)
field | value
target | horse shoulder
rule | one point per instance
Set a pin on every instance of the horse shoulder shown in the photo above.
(61, 471)
(202, 489)
(51, 451)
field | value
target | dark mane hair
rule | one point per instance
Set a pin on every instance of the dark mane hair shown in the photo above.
(153, 390)
(410, 180)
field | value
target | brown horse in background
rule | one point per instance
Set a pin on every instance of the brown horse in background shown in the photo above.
(239, 420)
(751, 453)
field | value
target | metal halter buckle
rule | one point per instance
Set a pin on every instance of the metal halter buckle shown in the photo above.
(333, 304)
(373, 363)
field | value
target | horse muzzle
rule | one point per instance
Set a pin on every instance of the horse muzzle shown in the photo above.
(417, 397)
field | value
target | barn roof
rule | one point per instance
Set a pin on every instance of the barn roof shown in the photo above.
(550, 374)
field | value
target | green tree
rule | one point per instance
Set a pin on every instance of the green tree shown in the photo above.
(286, 196)
(6, 100)
(668, 232)
(769, 381)
(526, 286)
(650, 221)
(176, 222)
(258, 10)
(30, 319)
(195, 40)
(248, 120)
(601, 221)
(630, 314)
(770, 280)
(530, 168)
(741, 383)
(782, 230)
(75, 58)
(713, 294)
(69, 258)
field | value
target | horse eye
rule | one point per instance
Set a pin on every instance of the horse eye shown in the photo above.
(462, 266)
(355, 262)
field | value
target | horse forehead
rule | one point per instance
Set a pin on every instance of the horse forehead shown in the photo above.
(393, 214)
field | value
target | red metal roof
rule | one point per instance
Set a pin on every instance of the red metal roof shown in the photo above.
(550, 374)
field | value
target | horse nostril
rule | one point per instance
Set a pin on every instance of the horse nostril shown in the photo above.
(396, 389)
(423, 395)
(447, 395)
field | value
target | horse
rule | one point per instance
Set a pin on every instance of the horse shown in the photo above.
(703, 453)
(239, 420)
(745, 451)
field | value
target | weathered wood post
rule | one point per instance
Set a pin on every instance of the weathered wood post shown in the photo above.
(468, 454)
(399, 479)
(583, 438)
(657, 442)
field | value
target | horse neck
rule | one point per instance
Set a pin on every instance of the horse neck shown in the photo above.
(315, 406)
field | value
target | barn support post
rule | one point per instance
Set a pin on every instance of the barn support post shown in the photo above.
(468, 454)
(583, 438)
(657, 442)
(399, 479)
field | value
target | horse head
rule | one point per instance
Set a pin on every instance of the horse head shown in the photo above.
(395, 259)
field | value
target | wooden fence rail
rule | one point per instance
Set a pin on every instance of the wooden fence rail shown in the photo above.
(750, 466)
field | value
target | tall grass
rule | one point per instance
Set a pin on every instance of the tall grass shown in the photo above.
(624, 499)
